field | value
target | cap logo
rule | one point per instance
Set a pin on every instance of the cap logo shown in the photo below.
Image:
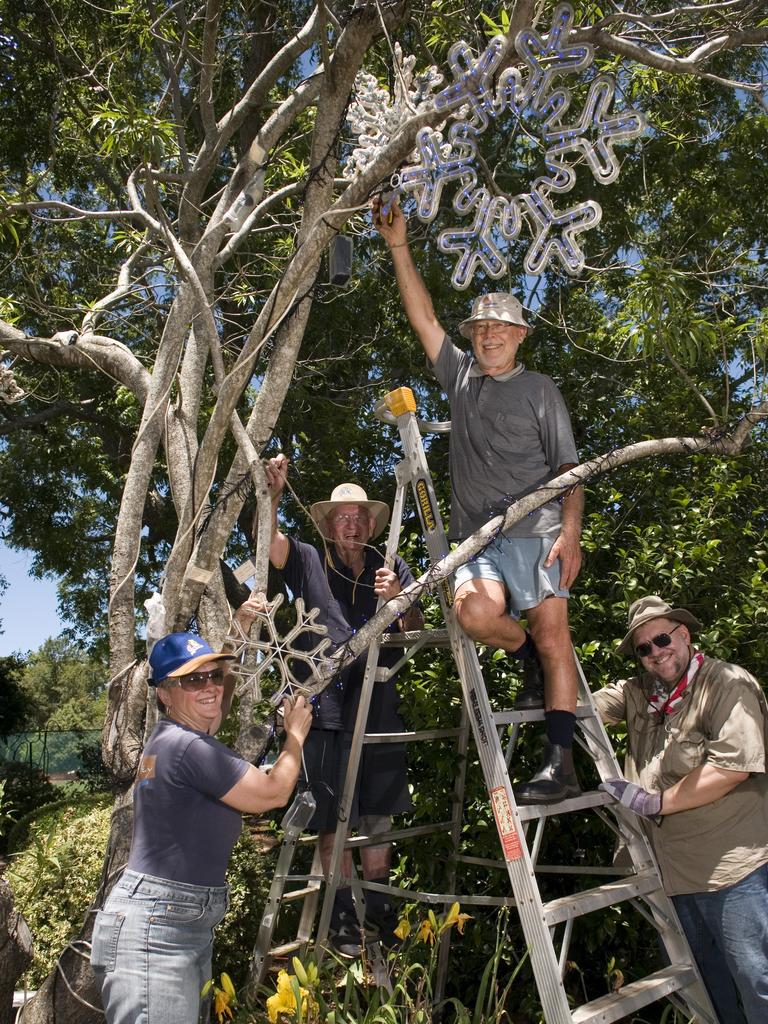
(193, 645)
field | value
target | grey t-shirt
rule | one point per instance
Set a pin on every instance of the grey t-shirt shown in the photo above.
(509, 434)
(181, 830)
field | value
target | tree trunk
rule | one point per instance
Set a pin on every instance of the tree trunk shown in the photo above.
(15, 950)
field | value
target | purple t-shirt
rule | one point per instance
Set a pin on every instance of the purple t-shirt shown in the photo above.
(181, 830)
(345, 604)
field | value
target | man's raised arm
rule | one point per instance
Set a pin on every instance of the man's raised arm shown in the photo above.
(276, 471)
(416, 300)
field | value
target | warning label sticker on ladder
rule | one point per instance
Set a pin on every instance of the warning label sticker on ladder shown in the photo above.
(505, 822)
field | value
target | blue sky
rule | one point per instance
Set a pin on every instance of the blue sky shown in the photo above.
(28, 607)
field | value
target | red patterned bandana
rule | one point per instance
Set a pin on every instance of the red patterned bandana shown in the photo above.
(661, 702)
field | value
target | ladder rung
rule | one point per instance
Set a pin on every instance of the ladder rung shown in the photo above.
(565, 907)
(433, 638)
(543, 869)
(515, 717)
(395, 834)
(411, 737)
(635, 995)
(576, 803)
(288, 947)
(299, 894)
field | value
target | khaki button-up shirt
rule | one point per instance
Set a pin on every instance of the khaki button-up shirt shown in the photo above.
(723, 721)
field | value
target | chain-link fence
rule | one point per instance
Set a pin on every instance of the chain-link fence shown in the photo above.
(55, 753)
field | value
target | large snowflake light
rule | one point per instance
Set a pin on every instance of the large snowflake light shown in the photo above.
(475, 98)
(278, 652)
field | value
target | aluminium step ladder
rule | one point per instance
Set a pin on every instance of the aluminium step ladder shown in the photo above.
(547, 925)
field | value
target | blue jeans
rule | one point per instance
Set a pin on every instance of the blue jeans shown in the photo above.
(151, 949)
(728, 934)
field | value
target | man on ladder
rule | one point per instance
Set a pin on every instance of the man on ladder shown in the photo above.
(510, 433)
(345, 583)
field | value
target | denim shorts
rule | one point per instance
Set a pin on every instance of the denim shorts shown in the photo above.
(517, 563)
(151, 949)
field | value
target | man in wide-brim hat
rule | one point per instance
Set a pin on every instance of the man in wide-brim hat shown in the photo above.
(510, 434)
(698, 733)
(344, 581)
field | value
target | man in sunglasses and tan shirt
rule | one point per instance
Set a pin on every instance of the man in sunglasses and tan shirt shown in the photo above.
(697, 734)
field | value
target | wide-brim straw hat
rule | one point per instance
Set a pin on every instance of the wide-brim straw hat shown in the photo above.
(350, 494)
(653, 607)
(502, 306)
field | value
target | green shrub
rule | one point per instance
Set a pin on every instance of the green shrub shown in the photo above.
(26, 788)
(56, 874)
(249, 877)
(93, 773)
(26, 785)
(57, 870)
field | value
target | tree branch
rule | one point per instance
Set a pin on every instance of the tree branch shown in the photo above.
(689, 65)
(578, 476)
(84, 352)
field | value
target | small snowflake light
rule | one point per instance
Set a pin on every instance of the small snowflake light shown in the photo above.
(10, 391)
(478, 96)
(375, 117)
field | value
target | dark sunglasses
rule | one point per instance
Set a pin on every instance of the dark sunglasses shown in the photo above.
(660, 641)
(198, 680)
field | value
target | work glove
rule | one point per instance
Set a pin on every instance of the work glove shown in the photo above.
(637, 799)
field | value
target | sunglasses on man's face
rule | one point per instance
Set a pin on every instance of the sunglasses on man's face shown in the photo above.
(195, 681)
(661, 641)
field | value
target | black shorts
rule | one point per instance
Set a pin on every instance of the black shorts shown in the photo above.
(381, 782)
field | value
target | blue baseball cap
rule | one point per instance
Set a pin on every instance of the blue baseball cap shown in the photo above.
(178, 654)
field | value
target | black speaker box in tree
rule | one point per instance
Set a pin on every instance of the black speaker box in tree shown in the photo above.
(340, 260)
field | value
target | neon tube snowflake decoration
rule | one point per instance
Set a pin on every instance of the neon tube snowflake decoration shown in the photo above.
(472, 102)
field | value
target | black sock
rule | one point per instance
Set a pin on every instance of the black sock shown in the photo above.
(342, 905)
(560, 726)
(380, 911)
(376, 902)
(527, 649)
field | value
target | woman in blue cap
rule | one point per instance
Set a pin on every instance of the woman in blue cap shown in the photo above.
(152, 941)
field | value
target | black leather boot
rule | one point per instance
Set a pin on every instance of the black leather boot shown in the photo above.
(530, 696)
(554, 781)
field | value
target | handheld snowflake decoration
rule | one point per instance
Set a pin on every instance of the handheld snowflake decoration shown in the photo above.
(478, 96)
(276, 651)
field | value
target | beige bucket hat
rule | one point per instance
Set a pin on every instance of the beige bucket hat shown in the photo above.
(653, 607)
(501, 306)
(350, 494)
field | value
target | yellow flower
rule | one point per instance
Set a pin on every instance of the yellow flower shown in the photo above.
(427, 932)
(403, 929)
(307, 975)
(284, 1000)
(221, 1006)
(224, 998)
(454, 917)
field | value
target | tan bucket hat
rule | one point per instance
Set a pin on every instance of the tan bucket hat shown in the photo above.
(350, 494)
(653, 607)
(501, 306)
